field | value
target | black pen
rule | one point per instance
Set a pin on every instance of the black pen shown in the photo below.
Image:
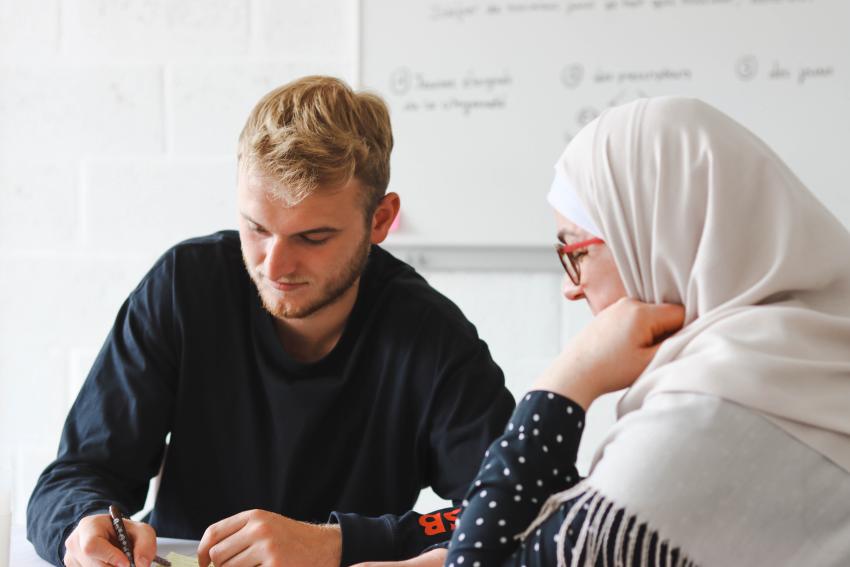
(124, 539)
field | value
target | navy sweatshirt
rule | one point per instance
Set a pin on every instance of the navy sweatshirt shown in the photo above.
(408, 398)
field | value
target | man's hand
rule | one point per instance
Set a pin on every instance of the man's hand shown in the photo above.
(257, 537)
(434, 558)
(93, 543)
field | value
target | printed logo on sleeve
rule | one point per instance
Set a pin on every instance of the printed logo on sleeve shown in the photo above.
(435, 524)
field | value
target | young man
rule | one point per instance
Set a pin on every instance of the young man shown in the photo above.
(302, 372)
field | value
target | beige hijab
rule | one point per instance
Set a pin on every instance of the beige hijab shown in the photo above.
(698, 211)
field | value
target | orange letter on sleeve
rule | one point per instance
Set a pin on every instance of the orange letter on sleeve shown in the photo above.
(432, 523)
(451, 517)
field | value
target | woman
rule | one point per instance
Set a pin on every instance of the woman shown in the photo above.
(733, 444)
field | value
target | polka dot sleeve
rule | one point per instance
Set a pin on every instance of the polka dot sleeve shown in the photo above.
(533, 459)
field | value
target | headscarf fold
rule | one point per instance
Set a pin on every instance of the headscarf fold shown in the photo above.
(563, 197)
(697, 210)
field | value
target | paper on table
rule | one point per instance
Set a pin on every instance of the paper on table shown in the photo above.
(178, 560)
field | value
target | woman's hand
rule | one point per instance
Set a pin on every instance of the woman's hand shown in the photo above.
(612, 351)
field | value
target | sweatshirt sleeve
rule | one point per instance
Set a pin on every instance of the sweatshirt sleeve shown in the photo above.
(113, 440)
(390, 537)
(533, 459)
(468, 408)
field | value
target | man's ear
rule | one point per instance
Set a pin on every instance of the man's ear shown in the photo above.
(383, 217)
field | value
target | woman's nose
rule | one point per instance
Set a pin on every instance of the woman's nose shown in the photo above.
(570, 290)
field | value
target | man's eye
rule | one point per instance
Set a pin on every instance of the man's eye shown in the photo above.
(312, 240)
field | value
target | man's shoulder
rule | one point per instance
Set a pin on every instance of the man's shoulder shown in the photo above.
(199, 255)
(198, 260)
(224, 244)
(405, 295)
(398, 281)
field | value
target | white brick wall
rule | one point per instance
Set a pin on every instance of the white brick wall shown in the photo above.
(57, 110)
(38, 205)
(156, 29)
(209, 102)
(118, 126)
(28, 29)
(143, 206)
(516, 314)
(307, 30)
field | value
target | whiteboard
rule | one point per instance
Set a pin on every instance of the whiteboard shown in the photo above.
(484, 95)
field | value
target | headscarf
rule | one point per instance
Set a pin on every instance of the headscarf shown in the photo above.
(564, 199)
(698, 211)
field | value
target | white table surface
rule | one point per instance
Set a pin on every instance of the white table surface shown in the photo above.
(23, 553)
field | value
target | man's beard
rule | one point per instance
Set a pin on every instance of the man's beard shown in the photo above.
(329, 293)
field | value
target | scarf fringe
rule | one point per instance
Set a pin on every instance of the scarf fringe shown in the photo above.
(596, 531)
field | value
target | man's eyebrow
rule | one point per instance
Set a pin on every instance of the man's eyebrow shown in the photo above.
(308, 232)
(318, 230)
(248, 218)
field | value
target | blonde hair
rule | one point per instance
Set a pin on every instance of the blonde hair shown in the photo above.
(316, 132)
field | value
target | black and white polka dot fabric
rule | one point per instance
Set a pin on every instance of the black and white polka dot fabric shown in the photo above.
(533, 459)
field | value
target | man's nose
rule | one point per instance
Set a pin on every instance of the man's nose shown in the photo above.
(281, 259)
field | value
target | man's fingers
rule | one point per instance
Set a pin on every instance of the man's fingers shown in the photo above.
(70, 561)
(248, 557)
(143, 537)
(83, 562)
(217, 532)
(97, 552)
(232, 550)
(89, 562)
(433, 558)
(72, 551)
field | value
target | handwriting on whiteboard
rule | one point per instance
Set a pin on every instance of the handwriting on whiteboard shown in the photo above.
(463, 94)
(748, 68)
(461, 12)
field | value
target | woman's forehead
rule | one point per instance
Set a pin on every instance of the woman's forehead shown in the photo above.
(568, 230)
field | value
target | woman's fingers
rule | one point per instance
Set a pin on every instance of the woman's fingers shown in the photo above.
(612, 351)
(665, 319)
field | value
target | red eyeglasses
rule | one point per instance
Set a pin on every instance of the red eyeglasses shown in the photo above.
(569, 261)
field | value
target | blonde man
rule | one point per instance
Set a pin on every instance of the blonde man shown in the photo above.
(302, 372)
